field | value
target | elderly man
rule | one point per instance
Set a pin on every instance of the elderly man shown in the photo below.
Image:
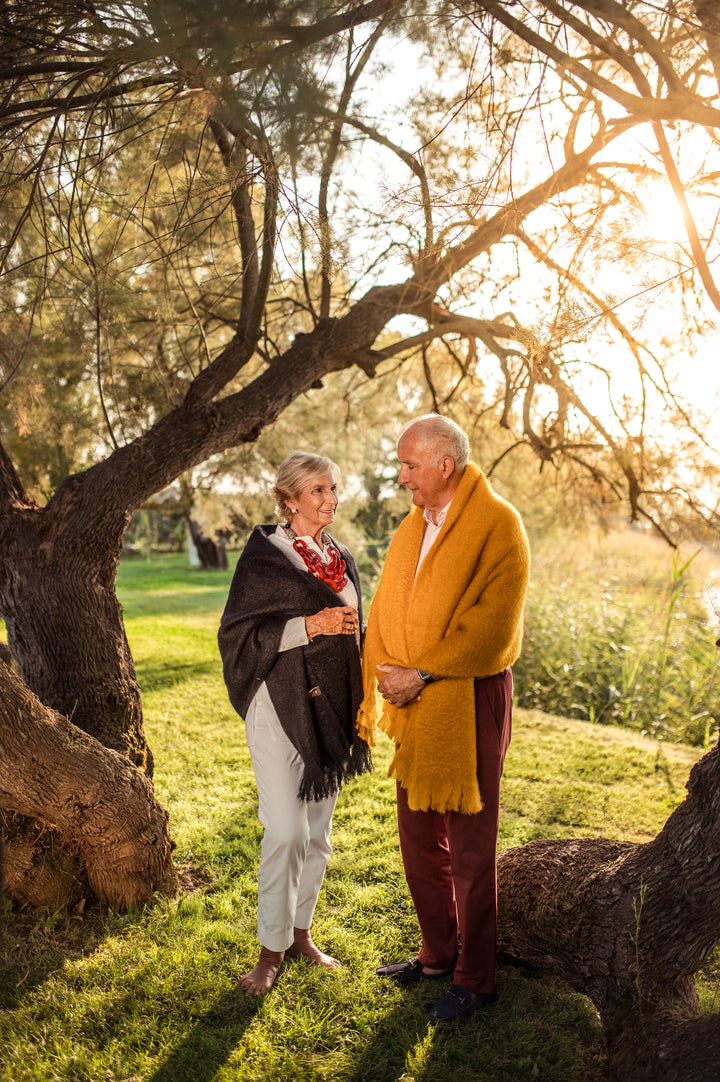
(443, 630)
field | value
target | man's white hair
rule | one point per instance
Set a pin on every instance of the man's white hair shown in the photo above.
(447, 436)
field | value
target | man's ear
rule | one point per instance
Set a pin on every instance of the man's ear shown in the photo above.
(448, 466)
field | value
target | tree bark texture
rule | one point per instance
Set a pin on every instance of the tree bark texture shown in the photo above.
(628, 925)
(92, 803)
(35, 867)
(64, 621)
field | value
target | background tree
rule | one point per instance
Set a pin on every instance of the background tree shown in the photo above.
(210, 209)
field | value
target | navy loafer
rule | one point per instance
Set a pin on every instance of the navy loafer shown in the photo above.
(459, 1003)
(409, 972)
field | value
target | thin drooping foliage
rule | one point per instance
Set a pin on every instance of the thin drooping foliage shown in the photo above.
(209, 205)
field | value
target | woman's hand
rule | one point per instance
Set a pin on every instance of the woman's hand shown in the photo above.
(339, 620)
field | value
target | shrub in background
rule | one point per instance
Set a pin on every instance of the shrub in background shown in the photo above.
(619, 629)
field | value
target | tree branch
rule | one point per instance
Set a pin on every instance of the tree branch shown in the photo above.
(351, 77)
(690, 228)
(707, 13)
(677, 105)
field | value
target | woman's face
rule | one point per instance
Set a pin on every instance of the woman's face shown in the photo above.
(316, 506)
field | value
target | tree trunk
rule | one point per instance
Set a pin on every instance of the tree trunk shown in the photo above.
(36, 868)
(91, 802)
(212, 554)
(628, 925)
(64, 621)
(67, 638)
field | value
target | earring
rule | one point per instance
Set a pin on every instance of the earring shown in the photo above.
(293, 510)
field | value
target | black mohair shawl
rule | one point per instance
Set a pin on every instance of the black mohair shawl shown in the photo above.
(315, 689)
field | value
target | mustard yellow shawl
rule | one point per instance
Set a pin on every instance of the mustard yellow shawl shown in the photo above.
(459, 619)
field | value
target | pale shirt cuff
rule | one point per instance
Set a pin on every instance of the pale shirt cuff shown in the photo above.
(294, 634)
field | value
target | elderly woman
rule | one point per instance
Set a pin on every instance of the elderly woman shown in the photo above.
(289, 640)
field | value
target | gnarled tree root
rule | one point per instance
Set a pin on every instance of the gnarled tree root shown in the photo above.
(96, 805)
(628, 925)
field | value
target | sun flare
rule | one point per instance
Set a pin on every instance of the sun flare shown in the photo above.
(662, 216)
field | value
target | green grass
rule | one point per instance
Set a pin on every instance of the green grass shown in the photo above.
(152, 996)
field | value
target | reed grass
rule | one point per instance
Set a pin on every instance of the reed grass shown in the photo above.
(622, 630)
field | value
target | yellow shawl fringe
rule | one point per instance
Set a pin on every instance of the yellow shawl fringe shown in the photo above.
(460, 619)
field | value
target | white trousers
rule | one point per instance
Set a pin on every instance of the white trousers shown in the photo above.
(296, 840)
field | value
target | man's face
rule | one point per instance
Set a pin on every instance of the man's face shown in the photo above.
(424, 471)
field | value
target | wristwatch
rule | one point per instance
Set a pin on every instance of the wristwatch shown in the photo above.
(426, 677)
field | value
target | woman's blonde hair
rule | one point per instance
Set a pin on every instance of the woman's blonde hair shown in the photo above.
(293, 475)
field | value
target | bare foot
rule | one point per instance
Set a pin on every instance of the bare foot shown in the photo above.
(303, 947)
(262, 976)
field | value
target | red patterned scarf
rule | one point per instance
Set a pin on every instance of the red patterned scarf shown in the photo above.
(333, 572)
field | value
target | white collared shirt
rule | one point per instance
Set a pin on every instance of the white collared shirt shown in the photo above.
(432, 529)
(295, 633)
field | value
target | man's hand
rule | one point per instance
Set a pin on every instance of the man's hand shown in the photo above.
(399, 686)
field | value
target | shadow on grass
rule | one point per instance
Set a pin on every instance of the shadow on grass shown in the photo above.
(36, 943)
(539, 1029)
(383, 1058)
(212, 1040)
(164, 674)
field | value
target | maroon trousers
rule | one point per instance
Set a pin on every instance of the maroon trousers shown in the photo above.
(450, 858)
